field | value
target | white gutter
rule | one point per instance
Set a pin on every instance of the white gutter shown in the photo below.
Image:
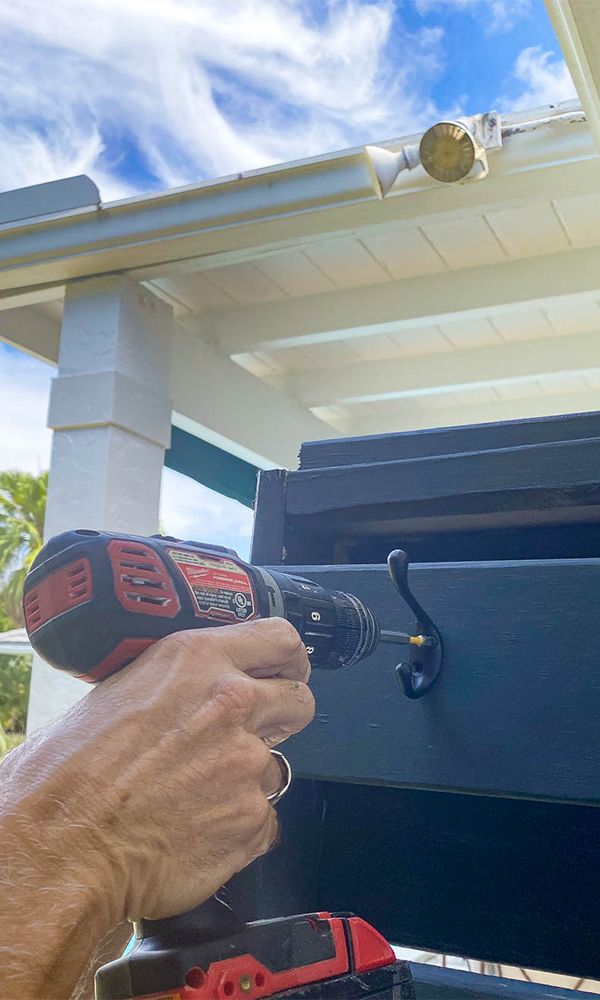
(264, 208)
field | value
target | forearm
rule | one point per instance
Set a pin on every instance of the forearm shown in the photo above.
(52, 916)
(58, 889)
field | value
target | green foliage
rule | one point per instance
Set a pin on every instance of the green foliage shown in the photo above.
(22, 511)
(8, 741)
(15, 677)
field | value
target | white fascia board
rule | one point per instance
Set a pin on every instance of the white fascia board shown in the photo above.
(412, 302)
(215, 399)
(429, 374)
(250, 214)
(576, 23)
(32, 331)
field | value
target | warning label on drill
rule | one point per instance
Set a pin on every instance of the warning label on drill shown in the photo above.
(221, 589)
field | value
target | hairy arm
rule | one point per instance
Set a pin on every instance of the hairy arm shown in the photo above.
(87, 837)
(58, 897)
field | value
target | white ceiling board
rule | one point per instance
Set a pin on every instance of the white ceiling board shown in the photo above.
(581, 218)
(563, 382)
(431, 403)
(471, 333)
(346, 262)
(195, 292)
(295, 273)
(254, 364)
(470, 396)
(377, 348)
(334, 353)
(526, 324)
(424, 301)
(465, 242)
(467, 370)
(574, 315)
(529, 230)
(244, 283)
(519, 389)
(405, 253)
(592, 378)
(421, 340)
(453, 415)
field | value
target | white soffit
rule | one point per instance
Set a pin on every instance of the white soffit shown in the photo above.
(441, 304)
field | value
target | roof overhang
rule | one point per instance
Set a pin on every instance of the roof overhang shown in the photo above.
(328, 310)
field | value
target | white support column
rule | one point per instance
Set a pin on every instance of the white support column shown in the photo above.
(111, 415)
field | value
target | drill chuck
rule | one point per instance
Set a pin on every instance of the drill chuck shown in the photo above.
(93, 601)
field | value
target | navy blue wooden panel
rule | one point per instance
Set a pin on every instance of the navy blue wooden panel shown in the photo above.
(531, 471)
(448, 440)
(517, 708)
(500, 880)
(434, 983)
(269, 519)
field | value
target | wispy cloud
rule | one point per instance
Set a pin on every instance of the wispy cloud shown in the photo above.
(496, 16)
(24, 387)
(189, 510)
(538, 78)
(185, 89)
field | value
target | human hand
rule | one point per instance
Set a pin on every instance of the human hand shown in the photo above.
(156, 782)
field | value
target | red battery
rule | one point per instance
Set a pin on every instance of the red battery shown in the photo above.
(315, 956)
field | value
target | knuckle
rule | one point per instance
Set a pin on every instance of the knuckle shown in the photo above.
(235, 696)
(253, 814)
(285, 635)
(190, 642)
(307, 704)
(254, 756)
(301, 700)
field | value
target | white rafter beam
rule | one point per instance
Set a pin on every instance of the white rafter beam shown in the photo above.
(31, 331)
(455, 415)
(577, 26)
(403, 378)
(389, 308)
(218, 401)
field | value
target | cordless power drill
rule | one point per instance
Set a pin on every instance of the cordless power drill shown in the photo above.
(93, 601)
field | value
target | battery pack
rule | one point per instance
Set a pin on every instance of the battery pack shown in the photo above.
(315, 956)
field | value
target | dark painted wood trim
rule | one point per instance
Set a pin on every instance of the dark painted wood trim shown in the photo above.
(434, 983)
(448, 440)
(551, 467)
(268, 545)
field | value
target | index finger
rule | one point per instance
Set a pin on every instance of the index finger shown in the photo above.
(267, 647)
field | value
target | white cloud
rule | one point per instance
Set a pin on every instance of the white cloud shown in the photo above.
(201, 87)
(495, 15)
(539, 78)
(187, 509)
(24, 388)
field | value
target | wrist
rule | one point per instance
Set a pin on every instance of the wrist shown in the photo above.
(55, 910)
(61, 892)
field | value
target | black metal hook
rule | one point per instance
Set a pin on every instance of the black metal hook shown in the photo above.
(425, 654)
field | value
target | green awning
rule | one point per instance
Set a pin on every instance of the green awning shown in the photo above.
(211, 466)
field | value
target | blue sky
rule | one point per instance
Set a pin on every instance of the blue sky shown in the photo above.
(148, 94)
(143, 95)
